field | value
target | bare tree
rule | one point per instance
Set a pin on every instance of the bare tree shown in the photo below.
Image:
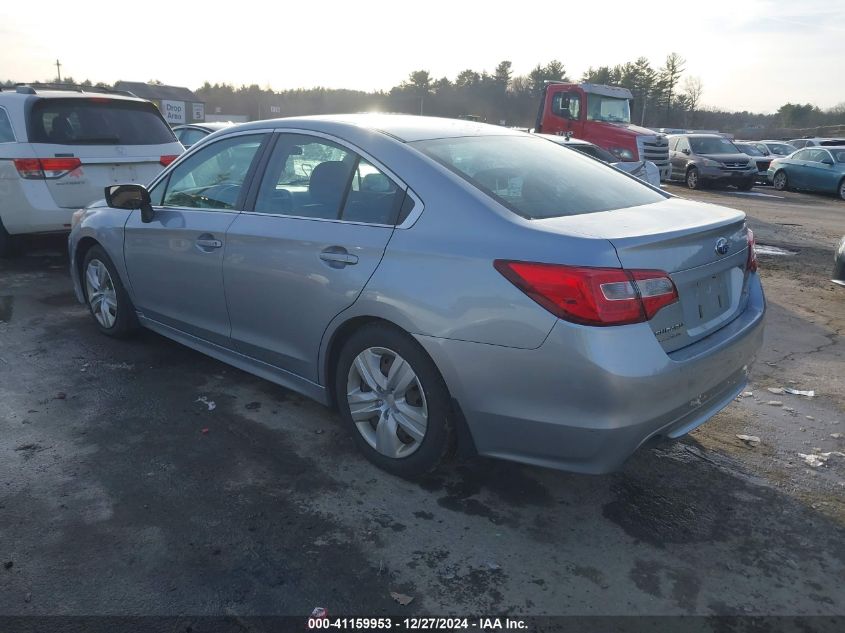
(692, 96)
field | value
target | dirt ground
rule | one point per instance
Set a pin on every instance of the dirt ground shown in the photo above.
(123, 492)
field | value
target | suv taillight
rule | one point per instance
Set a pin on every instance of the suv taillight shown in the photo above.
(592, 296)
(45, 168)
(751, 264)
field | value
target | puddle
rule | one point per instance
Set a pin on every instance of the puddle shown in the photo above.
(763, 249)
(7, 306)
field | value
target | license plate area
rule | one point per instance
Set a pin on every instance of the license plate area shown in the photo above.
(712, 297)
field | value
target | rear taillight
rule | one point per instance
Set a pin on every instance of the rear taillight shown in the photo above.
(45, 168)
(592, 296)
(167, 159)
(751, 264)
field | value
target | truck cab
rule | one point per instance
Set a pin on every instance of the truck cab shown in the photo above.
(602, 115)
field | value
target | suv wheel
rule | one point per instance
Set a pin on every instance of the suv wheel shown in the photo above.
(746, 186)
(693, 180)
(779, 181)
(392, 396)
(107, 299)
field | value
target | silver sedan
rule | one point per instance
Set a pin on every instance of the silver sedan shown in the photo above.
(447, 285)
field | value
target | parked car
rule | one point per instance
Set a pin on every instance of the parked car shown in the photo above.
(645, 170)
(192, 133)
(763, 161)
(442, 282)
(839, 264)
(775, 148)
(817, 141)
(811, 169)
(59, 148)
(700, 159)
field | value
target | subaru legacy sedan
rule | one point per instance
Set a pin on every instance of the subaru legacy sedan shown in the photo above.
(446, 285)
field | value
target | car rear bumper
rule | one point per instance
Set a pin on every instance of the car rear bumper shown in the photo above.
(27, 207)
(588, 397)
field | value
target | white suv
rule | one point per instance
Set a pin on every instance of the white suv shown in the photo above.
(59, 149)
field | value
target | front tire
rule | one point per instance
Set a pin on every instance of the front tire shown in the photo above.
(394, 400)
(107, 299)
(693, 179)
(841, 189)
(746, 186)
(780, 181)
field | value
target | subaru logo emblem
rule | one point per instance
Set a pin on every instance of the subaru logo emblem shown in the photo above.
(722, 246)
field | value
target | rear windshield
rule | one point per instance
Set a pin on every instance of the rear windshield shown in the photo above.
(97, 121)
(538, 179)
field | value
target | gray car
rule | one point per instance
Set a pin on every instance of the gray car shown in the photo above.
(447, 285)
(701, 159)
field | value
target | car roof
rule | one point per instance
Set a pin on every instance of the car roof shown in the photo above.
(702, 136)
(210, 125)
(403, 127)
(68, 94)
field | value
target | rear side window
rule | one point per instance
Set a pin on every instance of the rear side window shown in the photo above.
(537, 179)
(6, 133)
(313, 177)
(97, 121)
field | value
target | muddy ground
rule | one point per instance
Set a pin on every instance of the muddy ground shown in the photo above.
(121, 492)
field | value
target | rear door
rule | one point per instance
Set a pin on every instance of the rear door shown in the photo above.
(92, 142)
(175, 262)
(322, 218)
(796, 168)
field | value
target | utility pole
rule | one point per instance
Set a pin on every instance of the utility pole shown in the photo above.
(59, 70)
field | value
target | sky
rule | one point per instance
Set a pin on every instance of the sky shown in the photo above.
(749, 54)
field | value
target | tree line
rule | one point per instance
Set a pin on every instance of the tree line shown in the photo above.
(663, 96)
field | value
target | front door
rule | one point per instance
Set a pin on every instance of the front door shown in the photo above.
(321, 222)
(175, 262)
(821, 175)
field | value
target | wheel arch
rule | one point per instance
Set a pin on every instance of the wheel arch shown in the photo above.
(85, 244)
(328, 368)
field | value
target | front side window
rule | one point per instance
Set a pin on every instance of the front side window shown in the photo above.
(567, 105)
(213, 178)
(537, 179)
(6, 133)
(683, 144)
(97, 121)
(313, 177)
(838, 155)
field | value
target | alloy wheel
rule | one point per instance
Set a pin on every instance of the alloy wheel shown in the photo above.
(387, 402)
(102, 297)
(692, 179)
(779, 181)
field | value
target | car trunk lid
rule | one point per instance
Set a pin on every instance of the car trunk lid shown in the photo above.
(702, 247)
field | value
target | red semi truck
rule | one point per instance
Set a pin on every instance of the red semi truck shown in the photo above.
(601, 115)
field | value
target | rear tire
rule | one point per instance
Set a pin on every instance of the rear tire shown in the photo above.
(693, 179)
(403, 420)
(841, 189)
(107, 299)
(8, 242)
(780, 181)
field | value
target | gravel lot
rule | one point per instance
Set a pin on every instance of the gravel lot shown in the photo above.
(123, 492)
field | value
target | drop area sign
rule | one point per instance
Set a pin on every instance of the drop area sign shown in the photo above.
(173, 111)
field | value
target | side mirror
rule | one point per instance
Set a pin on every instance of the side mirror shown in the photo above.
(685, 151)
(131, 197)
(827, 161)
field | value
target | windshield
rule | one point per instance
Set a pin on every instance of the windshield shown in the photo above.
(748, 149)
(781, 149)
(712, 145)
(601, 108)
(537, 179)
(97, 121)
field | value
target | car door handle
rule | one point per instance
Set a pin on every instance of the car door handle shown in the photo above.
(338, 257)
(203, 243)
